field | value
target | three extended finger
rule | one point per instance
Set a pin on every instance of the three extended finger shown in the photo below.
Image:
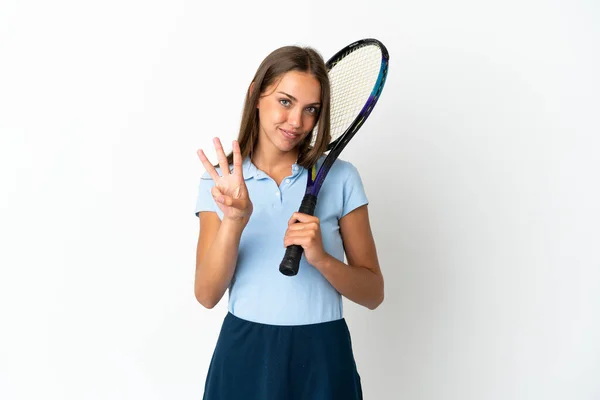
(207, 165)
(221, 156)
(237, 159)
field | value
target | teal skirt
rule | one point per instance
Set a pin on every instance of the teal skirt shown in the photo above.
(255, 361)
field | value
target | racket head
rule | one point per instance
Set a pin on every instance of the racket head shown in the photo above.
(357, 74)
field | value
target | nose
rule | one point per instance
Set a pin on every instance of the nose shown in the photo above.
(295, 118)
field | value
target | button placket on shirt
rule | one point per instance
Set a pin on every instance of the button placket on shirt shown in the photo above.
(279, 190)
(286, 183)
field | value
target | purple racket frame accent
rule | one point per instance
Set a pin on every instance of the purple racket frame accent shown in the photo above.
(291, 261)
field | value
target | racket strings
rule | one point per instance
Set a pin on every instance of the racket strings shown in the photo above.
(352, 80)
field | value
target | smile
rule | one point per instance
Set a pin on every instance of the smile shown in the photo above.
(290, 134)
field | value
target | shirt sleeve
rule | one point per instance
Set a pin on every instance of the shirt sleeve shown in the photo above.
(204, 200)
(354, 191)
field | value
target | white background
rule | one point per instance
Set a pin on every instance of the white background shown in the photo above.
(480, 161)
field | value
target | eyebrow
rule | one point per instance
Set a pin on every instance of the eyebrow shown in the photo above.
(295, 99)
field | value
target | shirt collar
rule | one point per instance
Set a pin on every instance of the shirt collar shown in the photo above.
(250, 170)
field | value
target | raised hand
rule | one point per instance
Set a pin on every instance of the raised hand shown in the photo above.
(230, 191)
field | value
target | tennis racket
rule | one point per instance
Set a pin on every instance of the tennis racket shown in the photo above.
(357, 75)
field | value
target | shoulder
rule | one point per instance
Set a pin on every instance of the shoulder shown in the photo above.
(341, 170)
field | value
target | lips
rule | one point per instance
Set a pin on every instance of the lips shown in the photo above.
(290, 134)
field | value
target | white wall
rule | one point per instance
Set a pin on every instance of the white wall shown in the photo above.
(481, 163)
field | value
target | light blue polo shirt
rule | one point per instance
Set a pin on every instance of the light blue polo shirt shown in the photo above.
(258, 291)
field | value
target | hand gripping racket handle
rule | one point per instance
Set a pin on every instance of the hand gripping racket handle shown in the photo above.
(291, 261)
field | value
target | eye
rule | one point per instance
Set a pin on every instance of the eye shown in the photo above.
(312, 110)
(284, 102)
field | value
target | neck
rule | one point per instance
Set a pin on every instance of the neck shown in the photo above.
(273, 160)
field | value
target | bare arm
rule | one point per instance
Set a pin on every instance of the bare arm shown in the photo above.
(361, 280)
(216, 257)
(218, 241)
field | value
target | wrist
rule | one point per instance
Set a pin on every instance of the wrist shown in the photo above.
(324, 262)
(235, 223)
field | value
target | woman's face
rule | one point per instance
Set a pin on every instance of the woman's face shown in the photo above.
(288, 110)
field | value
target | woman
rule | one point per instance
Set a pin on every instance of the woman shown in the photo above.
(283, 337)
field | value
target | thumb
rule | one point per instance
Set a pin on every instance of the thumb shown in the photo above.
(217, 194)
(238, 204)
(299, 217)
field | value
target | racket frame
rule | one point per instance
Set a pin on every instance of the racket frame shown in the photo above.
(291, 261)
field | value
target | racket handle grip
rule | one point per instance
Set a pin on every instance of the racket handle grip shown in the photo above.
(291, 260)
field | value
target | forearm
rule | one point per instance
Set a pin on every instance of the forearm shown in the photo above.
(215, 271)
(359, 284)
